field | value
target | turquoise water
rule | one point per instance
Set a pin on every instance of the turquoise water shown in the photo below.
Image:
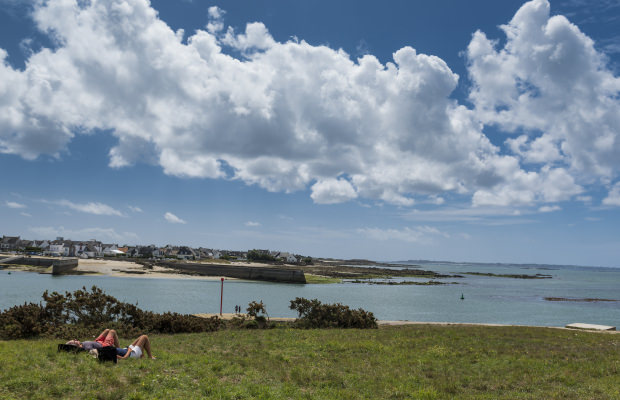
(487, 299)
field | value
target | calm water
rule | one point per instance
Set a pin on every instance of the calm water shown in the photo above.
(487, 299)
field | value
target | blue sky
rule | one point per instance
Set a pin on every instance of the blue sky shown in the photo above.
(447, 130)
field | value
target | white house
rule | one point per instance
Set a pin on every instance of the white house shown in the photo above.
(288, 257)
(58, 248)
(89, 249)
(158, 253)
(111, 250)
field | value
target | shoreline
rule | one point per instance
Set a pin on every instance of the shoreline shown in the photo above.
(130, 269)
(228, 316)
(118, 269)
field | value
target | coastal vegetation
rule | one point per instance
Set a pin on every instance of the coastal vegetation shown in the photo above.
(82, 312)
(405, 283)
(587, 300)
(516, 276)
(311, 278)
(257, 255)
(314, 314)
(406, 362)
(341, 270)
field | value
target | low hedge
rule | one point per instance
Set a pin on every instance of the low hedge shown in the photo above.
(83, 312)
(314, 314)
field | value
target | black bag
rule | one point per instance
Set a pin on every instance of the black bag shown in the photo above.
(70, 348)
(107, 353)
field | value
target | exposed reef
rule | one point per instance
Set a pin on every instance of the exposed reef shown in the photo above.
(515, 276)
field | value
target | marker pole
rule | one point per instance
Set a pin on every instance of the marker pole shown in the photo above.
(221, 296)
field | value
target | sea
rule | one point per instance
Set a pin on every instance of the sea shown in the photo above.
(470, 299)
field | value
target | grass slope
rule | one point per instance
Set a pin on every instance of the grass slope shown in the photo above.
(419, 362)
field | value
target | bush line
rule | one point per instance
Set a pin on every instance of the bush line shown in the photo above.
(83, 312)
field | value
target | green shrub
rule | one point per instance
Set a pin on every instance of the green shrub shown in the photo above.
(82, 312)
(92, 308)
(314, 314)
(258, 312)
(254, 308)
(256, 318)
(257, 255)
(23, 321)
(175, 323)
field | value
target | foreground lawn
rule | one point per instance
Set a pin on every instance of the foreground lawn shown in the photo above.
(425, 362)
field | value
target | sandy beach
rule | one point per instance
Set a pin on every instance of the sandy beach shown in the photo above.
(123, 268)
(130, 269)
(150, 269)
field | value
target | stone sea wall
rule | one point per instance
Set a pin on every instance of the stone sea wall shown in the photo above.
(242, 272)
(59, 266)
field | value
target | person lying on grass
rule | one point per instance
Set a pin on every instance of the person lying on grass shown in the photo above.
(135, 349)
(107, 338)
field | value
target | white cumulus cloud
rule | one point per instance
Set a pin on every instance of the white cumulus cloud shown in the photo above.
(12, 204)
(330, 191)
(549, 81)
(216, 23)
(613, 197)
(283, 115)
(90, 208)
(546, 209)
(173, 219)
(412, 235)
(252, 224)
(103, 234)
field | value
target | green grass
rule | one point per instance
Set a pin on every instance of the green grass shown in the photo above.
(310, 278)
(412, 362)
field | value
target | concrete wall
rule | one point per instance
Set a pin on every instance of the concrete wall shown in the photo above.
(242, 272)
(59, 266)
(64, 266)
(9, 260)
(37, 262)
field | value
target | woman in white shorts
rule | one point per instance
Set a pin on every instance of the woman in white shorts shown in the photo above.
(135, 350)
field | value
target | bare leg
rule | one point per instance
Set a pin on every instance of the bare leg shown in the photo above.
(144, 342)
(103, 334)
(112, 333)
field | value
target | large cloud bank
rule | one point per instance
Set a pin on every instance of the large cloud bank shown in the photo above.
(549, 82)
(288, 116)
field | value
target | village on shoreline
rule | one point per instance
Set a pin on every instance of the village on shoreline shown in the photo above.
(93, 248)
(96, 257)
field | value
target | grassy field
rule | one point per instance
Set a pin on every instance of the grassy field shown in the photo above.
(418, 362)
(310, 278)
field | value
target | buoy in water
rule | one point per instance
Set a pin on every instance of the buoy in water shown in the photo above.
(462, 297)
